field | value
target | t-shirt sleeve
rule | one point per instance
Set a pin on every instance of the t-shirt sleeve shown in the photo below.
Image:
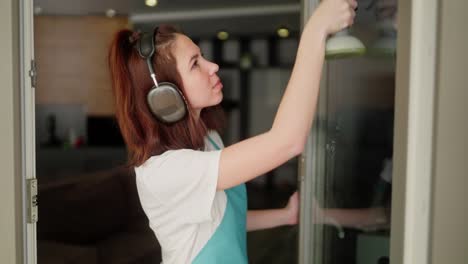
(185, 181)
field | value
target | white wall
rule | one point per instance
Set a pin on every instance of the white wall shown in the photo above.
(10, 178)
(449, 225)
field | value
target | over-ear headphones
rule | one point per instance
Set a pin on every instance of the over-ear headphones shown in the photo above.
(165, 100)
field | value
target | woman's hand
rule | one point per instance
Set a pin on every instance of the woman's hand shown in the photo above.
(318, 214)
(292, 209)
(332, 16)
(263, 219)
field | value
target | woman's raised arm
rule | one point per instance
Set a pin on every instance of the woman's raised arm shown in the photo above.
(255, 156)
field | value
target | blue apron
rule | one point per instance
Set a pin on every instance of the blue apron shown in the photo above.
(229, 242)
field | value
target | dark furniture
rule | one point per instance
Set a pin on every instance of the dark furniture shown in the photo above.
(94, 218)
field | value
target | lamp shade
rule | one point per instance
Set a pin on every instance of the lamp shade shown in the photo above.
(385, 45)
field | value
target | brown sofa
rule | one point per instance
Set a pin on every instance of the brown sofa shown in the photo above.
(94, 218)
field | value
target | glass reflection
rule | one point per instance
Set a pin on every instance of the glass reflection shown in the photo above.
(351, 205)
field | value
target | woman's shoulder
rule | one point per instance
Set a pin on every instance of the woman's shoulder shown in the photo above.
(173, 160)
(179, 158)
(176, 168)
(167, 156)
(168, 163)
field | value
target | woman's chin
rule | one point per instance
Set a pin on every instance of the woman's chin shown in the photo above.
(219, 99)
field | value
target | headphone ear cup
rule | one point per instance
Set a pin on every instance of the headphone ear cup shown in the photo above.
(167, 103)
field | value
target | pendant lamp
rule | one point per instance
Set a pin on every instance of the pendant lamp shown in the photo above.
(385, 45)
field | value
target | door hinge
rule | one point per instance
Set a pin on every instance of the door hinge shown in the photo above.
(32, 201)
(33, 74)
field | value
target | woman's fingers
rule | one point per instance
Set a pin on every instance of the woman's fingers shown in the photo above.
(335, 15)
(350, 12)
(352, 16)
(353, 4)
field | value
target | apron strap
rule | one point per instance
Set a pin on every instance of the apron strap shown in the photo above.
(213, 143)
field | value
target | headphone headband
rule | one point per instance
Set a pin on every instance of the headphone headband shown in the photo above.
(145, 44)
(146, 50)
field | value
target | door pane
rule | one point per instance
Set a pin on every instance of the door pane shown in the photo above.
(350, 205)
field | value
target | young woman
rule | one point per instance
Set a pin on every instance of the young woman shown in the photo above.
(191, 187)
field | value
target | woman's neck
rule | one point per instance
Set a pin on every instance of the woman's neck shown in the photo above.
(197, 114)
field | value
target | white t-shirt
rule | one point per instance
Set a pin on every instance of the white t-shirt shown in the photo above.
(177, 191)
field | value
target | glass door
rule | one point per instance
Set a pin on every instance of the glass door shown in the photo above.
(346, 170)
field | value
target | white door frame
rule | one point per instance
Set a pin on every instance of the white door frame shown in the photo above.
(28, 141)
(414, 101)
(311, 186)
(414, 131)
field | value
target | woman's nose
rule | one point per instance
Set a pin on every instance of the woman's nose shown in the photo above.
(213, 68)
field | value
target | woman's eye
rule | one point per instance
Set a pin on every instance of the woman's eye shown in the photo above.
(195, 64)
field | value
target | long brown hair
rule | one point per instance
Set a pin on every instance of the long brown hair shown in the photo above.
(143, 134)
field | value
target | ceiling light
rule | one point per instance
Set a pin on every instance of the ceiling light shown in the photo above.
(110, 12)
(223, 35)
(151, 3)
(282, 32)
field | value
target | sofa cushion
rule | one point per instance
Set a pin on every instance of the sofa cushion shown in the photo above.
(130, 248)
(84, 210)
(50, 252)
